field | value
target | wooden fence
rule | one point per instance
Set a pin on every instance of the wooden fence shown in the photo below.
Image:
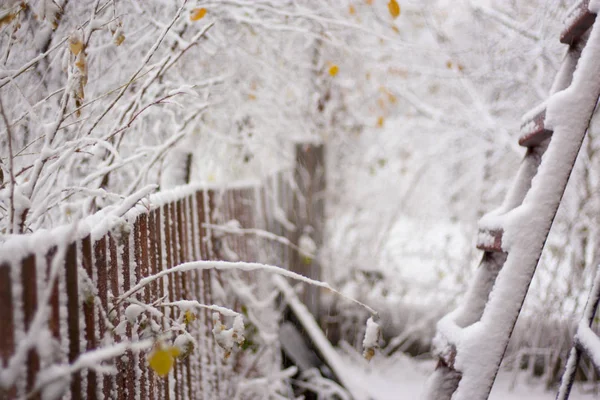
(47, 324)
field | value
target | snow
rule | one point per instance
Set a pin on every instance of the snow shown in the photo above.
(421, 272)
(371, 340)
(482, 344)
(401, 377)
(318, 338)
(590, 341)
(371, 334)
(132, 312)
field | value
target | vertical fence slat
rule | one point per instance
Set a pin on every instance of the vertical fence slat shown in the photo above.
(54, 319)
(100, 258)
(130, 272)
(201, 254)
(185, 257)
(168, 290)
(29, 285)
(120, 380)
(141, 270)
(88, 313)
(71, 277)
(177, 282)
(154, 258)
(7, 325)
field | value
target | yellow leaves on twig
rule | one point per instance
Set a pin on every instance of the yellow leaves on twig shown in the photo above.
(333, 70)
(162, 358)
(451, 65)
(188, 317)
(118, 38)
(81, 64)
(77, 48)
(394, 8)
(197, 14)
(75, 44)
(116, 30)
(390, 96)
(6, 17)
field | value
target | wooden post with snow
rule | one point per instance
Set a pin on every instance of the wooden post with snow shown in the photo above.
(308, 214)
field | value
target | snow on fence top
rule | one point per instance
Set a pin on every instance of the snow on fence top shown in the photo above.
(65, 328)
(98, 224)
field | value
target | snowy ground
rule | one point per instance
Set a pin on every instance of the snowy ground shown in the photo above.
(399, 378)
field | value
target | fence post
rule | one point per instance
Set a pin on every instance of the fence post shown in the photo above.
(308, 214)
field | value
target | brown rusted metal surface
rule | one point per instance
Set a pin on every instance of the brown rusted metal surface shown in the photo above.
(490, 240)
(167, 244)
(581, 19)
(71, 280)
(7, 325)
(153, 254)
(140, 231)
(534, 131)
(184, 228)
(120, 379)
(54, 318)
(88, 316)
(29, 285)
(100, 262)
(143, 265)
(127, 270)
(167, 264)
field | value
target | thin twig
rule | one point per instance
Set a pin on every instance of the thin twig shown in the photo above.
(10, 170)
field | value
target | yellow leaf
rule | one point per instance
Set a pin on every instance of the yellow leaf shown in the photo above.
(369, 353)
(120, 38)
(351, 10)
(395, 29)
(449, 64)
(380, 121)
(75, 45)
(394, 8)
(198, 14)
(188, 317)
(252, 96)
(81, 63)
(161, 359)
(6, 19)
(369, 2)
(333, 70)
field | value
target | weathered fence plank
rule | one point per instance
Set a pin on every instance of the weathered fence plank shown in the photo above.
(308, 215)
